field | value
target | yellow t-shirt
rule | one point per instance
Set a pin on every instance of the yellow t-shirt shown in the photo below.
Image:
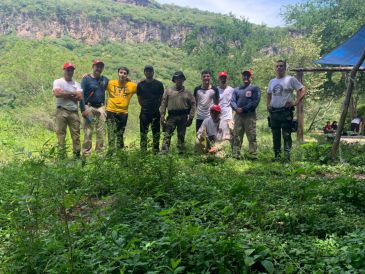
(120, 96)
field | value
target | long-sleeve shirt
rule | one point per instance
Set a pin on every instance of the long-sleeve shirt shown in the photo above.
(247, 98)
(178, 101)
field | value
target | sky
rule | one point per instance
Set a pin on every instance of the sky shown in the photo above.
(255, 11)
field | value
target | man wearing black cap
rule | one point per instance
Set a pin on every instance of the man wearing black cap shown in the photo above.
(150, 92)
(180, 104)
(245, 100)
(93, 107)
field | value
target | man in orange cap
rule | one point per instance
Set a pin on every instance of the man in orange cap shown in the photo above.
(245, 100)
(67, 93)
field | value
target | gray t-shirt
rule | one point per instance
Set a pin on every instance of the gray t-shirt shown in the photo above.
(204, 100)
(225, 96)
(70, 86)
(282, 90)
(220, 130)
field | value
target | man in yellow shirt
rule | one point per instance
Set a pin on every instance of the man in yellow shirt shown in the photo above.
(119, 94)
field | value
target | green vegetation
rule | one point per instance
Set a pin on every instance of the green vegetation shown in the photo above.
(139, 213)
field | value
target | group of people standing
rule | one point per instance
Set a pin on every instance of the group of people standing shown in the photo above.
(105, 102)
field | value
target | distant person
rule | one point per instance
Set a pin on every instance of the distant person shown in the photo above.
(225, 97)
(93, 107)
(180, 104)
(334, 125)
(280, 105)
(67, 92)
(150, 92)
(355, 124)
(205, 96)
(328, 128)
(213, 136)
(120, 93)
(245, 100)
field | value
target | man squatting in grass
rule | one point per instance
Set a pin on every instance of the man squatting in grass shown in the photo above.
(119, 94)
(180, 104)
(150, 92)
(67, 92)
(213, 136)
(93, 107)
(205, 96)
(245, 100)
(281, 107)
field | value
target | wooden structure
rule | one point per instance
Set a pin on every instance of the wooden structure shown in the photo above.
(300, 76)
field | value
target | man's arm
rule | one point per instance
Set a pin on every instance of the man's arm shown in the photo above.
(192, 107)
(268, 101)
(216, 96)
(163, 106)
(73, 95)
(300, 95)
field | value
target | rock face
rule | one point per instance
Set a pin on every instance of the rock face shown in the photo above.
(81, 28)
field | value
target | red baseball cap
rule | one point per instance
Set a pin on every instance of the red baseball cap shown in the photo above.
(250, 71)
(68, 65)
(216, 108)
(222, 74)
(98, 61)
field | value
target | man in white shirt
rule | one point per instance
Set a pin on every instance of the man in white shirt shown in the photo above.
(225, 97)
(68, 93)
(280, 105)
(213, 135)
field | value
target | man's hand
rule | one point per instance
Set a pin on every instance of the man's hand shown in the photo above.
(289, 104)
(269, 108)
(189, 122)
(162, 120)
(58, 92)
(85, 113)
(239, 110)
(85, 75)
(78, 96)
(213, 150)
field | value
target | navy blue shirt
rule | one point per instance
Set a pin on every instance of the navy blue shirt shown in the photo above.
(247, 98)
(94, 91)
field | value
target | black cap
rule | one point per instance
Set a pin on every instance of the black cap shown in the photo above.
(148, 67)
(178, 74)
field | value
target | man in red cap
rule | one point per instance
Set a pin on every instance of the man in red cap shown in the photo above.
(213, 134)
(93, 107)
(67, 93)
(225, 97)
(245, 100)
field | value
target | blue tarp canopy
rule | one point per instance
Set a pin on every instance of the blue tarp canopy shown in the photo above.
(348, 53)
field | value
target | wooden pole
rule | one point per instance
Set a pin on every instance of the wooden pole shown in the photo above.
(345, 108)
(300, 112)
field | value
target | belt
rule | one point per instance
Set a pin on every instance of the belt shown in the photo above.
(95, 105)
(179, 112)
(282, 109)
(60, 107)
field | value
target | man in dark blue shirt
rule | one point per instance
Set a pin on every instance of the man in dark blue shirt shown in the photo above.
(244, 102)
(93, 107)
(150, 92)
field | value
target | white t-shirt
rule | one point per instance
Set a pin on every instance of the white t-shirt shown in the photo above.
(219, 130)
(356, 120)
(225, 96)
(282, 90)
(70, 86)
(204, 100)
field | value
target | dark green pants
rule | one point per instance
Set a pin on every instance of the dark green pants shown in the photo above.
(281, 124)
(173, 122)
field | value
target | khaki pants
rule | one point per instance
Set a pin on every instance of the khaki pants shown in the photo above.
(98, 118)
(245, 123)
(175, 122)
(71, 119)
